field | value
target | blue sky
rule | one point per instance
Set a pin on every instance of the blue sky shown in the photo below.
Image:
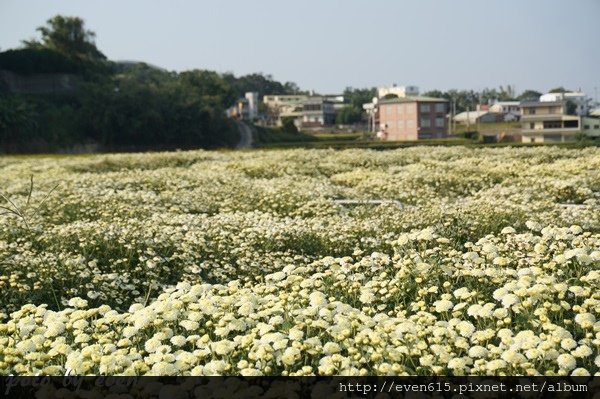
(327, 45)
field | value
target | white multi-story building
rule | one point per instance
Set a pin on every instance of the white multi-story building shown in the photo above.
(510, 110)
(400, 91)
(245, 108)
(546, 121)
(317, 112)
(504, 107)
(579, 99)
(252, 101)
(276, 101)
(283, 106)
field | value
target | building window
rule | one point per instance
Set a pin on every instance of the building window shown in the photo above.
(425, 122)
(586, 127)
(400, 124)
(389, 110)
(552, 137)
(531, 111)
(312, 107)
(400, 108)
(410, 123)
(424, 107)
(532, 125)
(572, 124)
(441, 107)
(596, 126)
(552, 125)
(439, 121)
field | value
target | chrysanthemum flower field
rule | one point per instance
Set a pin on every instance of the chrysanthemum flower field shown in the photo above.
(482, 261)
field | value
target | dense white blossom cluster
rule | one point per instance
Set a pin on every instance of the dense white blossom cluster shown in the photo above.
(223, 263)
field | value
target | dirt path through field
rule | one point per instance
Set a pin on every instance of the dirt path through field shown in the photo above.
(246, 135)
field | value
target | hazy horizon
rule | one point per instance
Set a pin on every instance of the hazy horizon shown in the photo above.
(327, 46)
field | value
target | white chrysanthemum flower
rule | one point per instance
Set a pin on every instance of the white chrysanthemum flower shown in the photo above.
(277, 276)
(295, 334)
(129, 331)
(500, 313)
(443, 305)
(78, 303)
(566, 362)
(513, 357)
(568, 343)
(473, 310)
(533, 354)
(290, 356)
(462, 293)
(178, 340)
(457, 363)
(577, 290)
(478, 351)
(54, 328)
(582, 351)
(531, 225)
(214, 368)
(331, 347)
(317, 298)
(222, 347)
(246, 309)
(26, 346)
(500, 261)
(509, 300)
(426, 235)
(152, 345)
(495, 365)
(499, 293)
(585, 320)
(576, 229)
(580, 372)
(81, 338)
(189, 325)
(465, 328)
(366, 296)
(251, 372)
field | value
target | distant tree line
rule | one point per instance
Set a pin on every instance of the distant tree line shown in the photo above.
(468, 99)
(353, 112)
(463, 99)
(129, 106)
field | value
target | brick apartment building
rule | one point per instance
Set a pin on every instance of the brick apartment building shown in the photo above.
(413, 118)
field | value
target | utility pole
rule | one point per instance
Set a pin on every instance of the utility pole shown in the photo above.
(468, 121)
(476, 118)
(452, 114)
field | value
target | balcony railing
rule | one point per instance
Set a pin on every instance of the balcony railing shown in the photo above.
(568, 130)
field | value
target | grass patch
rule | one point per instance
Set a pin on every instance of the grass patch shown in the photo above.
(267, 135)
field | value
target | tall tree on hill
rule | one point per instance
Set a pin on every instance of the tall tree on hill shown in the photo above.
(358, 97)
(257, 82)
(463, 99)
(529, 95)
(67, 35)
(558, 89)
